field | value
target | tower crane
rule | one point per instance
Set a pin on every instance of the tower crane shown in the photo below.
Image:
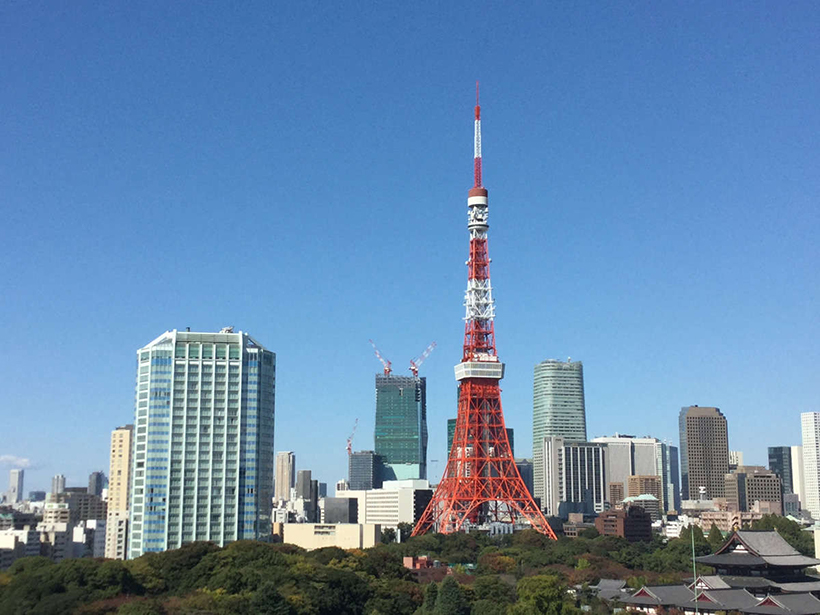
(350, 438)
(416, 363)
(387, 364)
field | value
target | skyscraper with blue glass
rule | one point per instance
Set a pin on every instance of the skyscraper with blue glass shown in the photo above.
(401, 426)
(203, 441)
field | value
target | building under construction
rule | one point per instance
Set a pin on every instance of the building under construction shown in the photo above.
(401, 426)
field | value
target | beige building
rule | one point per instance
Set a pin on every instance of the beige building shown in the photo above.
(616, 494)
(316, 535)
(640, 485)
(119, 488)
(285, 476)
(728, 520)
(749, 484)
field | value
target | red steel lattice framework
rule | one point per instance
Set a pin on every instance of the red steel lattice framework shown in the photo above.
(481, 482)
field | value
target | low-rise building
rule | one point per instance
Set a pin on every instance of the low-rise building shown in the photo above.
(317, 535)
(632, 523)
(649, 503)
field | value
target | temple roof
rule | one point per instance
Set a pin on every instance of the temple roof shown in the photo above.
(757, 548)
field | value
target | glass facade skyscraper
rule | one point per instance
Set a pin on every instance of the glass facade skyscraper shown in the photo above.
(203, 441)
(558, 411)
(401, 426)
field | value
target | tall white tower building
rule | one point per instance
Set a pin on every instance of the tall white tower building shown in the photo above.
(15, 493)
(203, 453)
(810, 423)
(285, 475)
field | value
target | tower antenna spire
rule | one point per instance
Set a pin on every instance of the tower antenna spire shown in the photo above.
(477, 141)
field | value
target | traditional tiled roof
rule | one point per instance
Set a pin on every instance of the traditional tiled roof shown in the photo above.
(713, 600)
(609, 584)
(757, 548)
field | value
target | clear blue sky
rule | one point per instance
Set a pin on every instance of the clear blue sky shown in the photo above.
(300, 171)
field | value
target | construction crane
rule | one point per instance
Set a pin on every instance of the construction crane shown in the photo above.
(416, 363)
(387, 364)
(350, 438)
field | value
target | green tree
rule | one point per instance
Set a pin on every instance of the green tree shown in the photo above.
(494, 589)
(715, 538)
(388, 535)
(405, 529)
(791, 532)
(451, 599)
(543, 593)
(268, 601)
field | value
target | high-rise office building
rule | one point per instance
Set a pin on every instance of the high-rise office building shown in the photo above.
(631, 456)
(525, 470)
(96, 483)
(364, 471)
(401, 426)
(704, 451)
(746, 485)
(558, 411)
(15, 493)
(645, 484)
(285, 475)
(780, 462)
(798, 478)
(58, 484)
(119, 489)
(576, 477)
(810, 423)
(735, 460)
(203, 457)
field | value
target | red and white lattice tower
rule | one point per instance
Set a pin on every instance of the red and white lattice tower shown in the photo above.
(481, 482)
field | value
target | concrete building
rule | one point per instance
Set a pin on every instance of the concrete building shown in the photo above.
(56, 512)
(365, 470)
(340, 510)
(633, 523)
(401, 501)
(641, 485)
(285, 475)
(15, 492)
(631, 456)
(96, 483)
(82, 505)
(318, 535)
(203, 456)
(89, 538)
(648, 502)
(735, 460)
(17, 543)
(56, 541)
(704, 451)
(525, 469)
(558, 411)
(58, 484)
(798, 474)
(616, 494)
(119, 487)
(749, 484)
(810, 423)
(576, 477)
(401, 426)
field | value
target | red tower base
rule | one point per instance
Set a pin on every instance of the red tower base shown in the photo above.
(481, 482)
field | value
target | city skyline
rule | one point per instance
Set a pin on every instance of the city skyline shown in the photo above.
(646, 230)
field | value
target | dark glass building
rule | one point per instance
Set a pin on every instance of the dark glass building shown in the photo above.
(401, 426)
(364, 471)
(780, 462)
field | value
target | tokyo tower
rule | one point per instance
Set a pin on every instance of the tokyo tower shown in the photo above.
(481, 483)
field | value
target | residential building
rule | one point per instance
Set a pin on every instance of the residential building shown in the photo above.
(89, 538)
(798, 474)
(810, 423)
(203, 457)
(632, 523)
(401, 426)
(285, 475)
(83, 506)
(58, 484)
(631, 456)
(558, 411)
(704, 451)
(364, 470)
(17, 543)
(56, 541)
(96, 483)
(576, 477)
(119, 489)
(15, 492)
